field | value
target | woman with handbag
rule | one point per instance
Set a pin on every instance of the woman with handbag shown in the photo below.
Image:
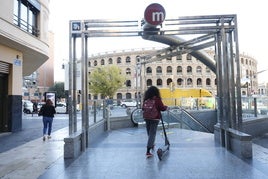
(47, 111)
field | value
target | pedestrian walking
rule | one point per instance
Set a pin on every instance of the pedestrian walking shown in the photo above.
(47, 111)
(35, 109)
(152, 107)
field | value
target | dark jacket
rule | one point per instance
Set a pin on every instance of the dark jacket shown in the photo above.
(47, 111)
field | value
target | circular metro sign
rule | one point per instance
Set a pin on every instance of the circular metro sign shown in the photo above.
(155, 14)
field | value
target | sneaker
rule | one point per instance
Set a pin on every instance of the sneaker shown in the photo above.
(44, 138)
(148, 154)
(49, 137)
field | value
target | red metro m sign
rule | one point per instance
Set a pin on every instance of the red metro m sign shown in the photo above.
(154, 14)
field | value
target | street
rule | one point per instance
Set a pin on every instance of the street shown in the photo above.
(32, 127)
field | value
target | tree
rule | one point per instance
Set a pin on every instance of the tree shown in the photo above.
(58, 87)
(106, 81)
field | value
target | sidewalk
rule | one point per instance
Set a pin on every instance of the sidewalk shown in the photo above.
(32, 159)
(121, 154)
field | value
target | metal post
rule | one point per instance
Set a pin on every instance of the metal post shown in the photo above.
(238, 85)
(74, 102)
(226, 84)
(71, 46)
(255, 107)
(83, 93)
(108, 117)
(95, 111)
(85, 89)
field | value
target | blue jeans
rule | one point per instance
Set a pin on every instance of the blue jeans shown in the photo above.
(47, 123)
(151, 128)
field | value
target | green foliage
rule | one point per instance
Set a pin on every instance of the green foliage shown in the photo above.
(106, 80)
(58, 87)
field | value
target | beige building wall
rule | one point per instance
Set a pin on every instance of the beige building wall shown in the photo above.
(205, 74)
(45, 74)
(8, 55)
(23, 50)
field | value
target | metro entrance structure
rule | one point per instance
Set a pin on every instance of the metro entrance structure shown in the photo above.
(218, 31)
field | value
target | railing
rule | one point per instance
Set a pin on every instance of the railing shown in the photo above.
(254, 106)
(186, 118)
(100, 109)
(251, 106)
(174, 115)
(105, 109)
(22, 24)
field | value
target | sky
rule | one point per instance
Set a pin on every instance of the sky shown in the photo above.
(252, 24)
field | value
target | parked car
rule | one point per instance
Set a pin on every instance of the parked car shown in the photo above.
(128, 103)
(27, 106)
(61, 107)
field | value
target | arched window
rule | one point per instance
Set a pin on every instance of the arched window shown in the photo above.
(242, 60)
(169, 80)
(149, 70)
(189, 57)
(95, 97)
(128, 83)
(189, 82)
(180, 82)
(159, 82)
(149, 83)
(207, 70)
(128, 59)
(198, 69)
(199, 82)
(208, 82)
(128, 71)
(118, 59)
(95, 63)
(189, 69)
(128, 96)
(179, 57)
(119, 96)
(110, 61)
(179, 69)
(244, 93)
(138, 58)
(159, 70)
(169, 70)
(102, 62)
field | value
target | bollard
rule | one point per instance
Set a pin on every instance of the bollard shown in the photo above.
(108, 118)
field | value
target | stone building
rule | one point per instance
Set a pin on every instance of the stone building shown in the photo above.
(184, 71)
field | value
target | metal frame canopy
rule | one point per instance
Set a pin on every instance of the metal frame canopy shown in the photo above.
(218, 31)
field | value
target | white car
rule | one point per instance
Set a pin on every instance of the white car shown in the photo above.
(128, 103)
(27, 106)
(61, 108)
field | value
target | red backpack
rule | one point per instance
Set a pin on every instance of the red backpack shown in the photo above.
(149, 109)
